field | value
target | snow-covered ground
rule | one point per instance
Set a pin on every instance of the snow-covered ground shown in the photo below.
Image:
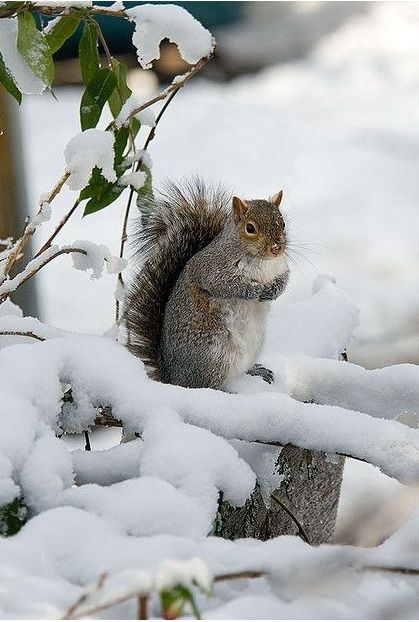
(335, 132)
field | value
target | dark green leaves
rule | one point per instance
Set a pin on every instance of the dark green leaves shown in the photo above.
(8, 82)
(34, 48)
(88, 53)
(12, 517)
(63, 29)
(95, 97)
(100, 192)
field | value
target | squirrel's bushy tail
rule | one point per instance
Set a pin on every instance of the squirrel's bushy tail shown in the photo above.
(180, 222)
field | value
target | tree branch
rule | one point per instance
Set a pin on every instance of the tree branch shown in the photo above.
(12, 285)
(17, 248)
(28, 333)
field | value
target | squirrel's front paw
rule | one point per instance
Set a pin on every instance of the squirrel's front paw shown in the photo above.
(266, 374)
(275, 289)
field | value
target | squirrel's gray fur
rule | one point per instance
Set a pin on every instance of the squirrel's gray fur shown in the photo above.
(195, 313)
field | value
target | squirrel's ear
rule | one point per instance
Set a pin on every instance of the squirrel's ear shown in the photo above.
(277, 198)
(239, 209)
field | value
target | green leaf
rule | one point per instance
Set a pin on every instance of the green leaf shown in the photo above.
(34, 48)
(88, 53)
(122, 91)
(95, 97)
(8, 82)
(173, 601)
(121, 139)
(100, 191)
(12, 517)
(63, 29)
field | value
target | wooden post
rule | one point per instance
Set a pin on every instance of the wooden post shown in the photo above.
(13, 196)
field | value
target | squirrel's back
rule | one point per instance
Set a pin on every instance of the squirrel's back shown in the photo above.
(176, 225)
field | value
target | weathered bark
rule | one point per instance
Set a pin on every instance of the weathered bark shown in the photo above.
(310, 490)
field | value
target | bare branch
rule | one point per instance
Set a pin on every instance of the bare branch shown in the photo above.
(17, 249)
(28, 333)
(31, 269)
(58, 228)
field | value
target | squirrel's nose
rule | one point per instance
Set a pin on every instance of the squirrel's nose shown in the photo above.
(275, 249)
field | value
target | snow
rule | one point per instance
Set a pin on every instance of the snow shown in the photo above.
(85, 151)
(25, 79)
(145, 117)
(94, 258)
(153, 23)
(142, 510)
(136, 180)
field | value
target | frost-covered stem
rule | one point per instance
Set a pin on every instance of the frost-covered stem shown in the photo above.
(175, 85)
(7, 288)
(142, 613)
(150, 137)
(58, 228)
(29, 333)
(17, 248)
(69, 614)
(77, 611)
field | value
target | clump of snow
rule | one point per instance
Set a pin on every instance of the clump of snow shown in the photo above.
(43, 215)
(10, 308)
(145, 117)
(136, 180)
(142, 155)
(153, 23)
(173, 571)
(95, 257)
(87, 150)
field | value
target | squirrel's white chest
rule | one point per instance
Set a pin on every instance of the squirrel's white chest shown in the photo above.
(263, 270)
(246, 321)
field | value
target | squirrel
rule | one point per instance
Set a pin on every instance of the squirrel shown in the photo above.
(195, 313)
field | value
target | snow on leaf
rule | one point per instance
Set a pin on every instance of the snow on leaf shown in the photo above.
(153, 23)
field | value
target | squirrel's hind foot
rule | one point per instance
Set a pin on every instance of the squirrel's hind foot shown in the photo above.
(259, 370)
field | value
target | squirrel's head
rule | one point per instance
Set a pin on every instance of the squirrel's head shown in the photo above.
(260, 226)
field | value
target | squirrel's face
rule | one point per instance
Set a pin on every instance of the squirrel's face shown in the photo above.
(260, 226)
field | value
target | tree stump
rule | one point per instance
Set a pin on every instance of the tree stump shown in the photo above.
(310, 490)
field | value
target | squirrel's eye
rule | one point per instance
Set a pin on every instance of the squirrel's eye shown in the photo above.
(250, 228)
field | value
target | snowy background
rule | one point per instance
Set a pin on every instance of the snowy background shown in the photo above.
(337, 131)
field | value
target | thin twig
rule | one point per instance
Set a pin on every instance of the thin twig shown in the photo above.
(176, 84)
(295, 520)
(396, 569)
(28, 333)
(69, 614)
(60, 225)
(17, 249)
(150, 137)
(61, 251)
(246, 574)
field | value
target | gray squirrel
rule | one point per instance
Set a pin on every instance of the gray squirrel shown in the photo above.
(195, 312)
